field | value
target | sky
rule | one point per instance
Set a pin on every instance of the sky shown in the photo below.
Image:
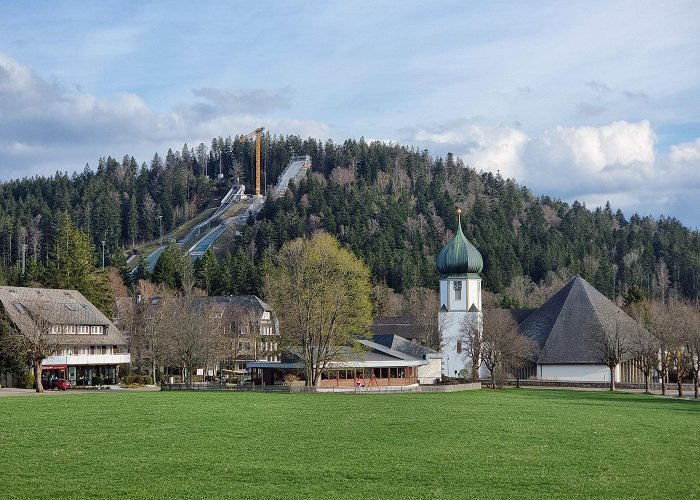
(593, 101)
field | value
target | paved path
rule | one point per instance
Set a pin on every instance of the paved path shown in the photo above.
(11, 391)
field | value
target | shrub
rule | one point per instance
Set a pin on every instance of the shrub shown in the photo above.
(96, 380)
(26, 380)
(136, 380)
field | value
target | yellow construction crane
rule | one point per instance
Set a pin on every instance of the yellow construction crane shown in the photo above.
(258, 135)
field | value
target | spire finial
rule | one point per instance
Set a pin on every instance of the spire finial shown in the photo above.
(459, 216)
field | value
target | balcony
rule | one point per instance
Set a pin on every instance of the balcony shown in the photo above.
(89, 359)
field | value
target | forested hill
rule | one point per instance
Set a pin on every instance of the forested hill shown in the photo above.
(392, 205)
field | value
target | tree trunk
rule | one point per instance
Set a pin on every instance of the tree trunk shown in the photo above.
(37, 376)
(612, 378)
(680, 387)
(493, 379)
(663, 386)
(695, 385)
(646, 383)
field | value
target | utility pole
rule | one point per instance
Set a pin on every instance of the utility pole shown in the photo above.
(103, 254)
(160, 220)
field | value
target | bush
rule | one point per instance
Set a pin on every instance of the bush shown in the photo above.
(26, 380)
(136, 380)
(96, 380)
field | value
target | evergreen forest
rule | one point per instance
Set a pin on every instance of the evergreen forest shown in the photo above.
(394, 206)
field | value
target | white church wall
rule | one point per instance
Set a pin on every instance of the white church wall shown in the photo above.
(444, 298)
(473, 293)
(577, 373)
(450, 323)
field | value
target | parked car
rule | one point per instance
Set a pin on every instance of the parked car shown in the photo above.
(59, 384)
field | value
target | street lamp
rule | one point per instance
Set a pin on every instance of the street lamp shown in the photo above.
(103, 254)
(160, 220)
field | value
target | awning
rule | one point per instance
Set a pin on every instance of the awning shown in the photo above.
(54, 367)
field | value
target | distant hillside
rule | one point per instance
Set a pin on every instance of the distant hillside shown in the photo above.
(392, 205)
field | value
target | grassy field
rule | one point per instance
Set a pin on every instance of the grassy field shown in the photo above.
(482, 444)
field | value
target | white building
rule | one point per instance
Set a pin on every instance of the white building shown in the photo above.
(459, 264)
(88, 342)
(570, 330)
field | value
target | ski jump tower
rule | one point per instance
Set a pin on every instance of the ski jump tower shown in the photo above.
(459, 264)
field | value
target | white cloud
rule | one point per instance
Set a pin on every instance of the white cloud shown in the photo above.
(686, 152)
(483, 147)
(581, 159)
(616, 162)
(45, 127)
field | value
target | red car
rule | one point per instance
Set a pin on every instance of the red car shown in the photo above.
(59, 384)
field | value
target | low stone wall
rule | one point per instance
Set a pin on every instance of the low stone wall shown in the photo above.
(451, 388)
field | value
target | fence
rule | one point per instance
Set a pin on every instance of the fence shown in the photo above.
(222, 386)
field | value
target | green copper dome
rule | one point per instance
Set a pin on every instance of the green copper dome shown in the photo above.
(459, 256)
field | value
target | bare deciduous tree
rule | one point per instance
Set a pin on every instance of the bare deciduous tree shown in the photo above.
(421, 304)
(685, 328)
(502, 345)
(242, 339)
(693, 344)
(32, 334)
(193, 336)
(643, 345)
(658, 318)
(613, 344)
(469, 343)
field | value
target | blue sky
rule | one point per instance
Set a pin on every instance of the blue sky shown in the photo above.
(592, 101)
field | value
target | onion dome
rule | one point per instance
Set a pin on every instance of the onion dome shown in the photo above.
(459, 256)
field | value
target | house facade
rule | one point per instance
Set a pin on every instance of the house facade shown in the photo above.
(87, 343)
(242, 329)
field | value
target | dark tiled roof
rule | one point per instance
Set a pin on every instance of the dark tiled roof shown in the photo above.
(58, 307)
(569, 327)
(382, 348)
(520, 315)
(404, 326)
(400, 344)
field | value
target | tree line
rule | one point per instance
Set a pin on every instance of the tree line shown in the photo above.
(394, 206)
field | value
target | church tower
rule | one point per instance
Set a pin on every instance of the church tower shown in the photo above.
(459, 264)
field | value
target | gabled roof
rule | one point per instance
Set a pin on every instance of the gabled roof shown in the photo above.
(377, 354)
(570, 326)
(60, 307)
(220, 302)
(400, 344)
(405, 326)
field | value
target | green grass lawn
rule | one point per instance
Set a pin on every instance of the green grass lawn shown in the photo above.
(481, 444)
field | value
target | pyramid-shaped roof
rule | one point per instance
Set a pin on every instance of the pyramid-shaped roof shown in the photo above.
(570, 326)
